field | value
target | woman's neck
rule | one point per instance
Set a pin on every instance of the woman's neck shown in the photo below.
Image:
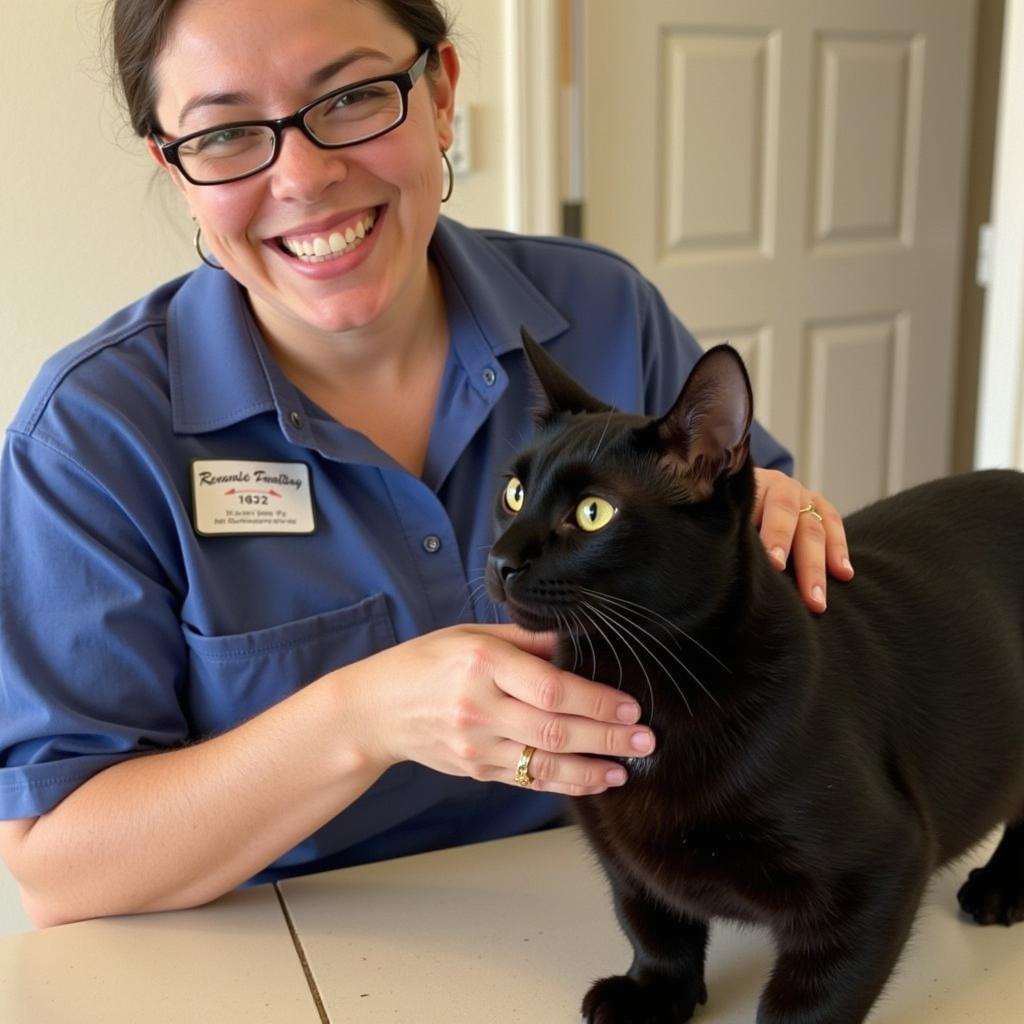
(388, 351)
(360, 377)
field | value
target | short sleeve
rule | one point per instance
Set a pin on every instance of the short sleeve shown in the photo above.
(671, 351)
(92, 658)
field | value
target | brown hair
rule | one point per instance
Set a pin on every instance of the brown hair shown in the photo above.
(137, 30)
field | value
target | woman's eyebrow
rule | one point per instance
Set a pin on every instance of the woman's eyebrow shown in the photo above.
(328, 71)
(318, 77)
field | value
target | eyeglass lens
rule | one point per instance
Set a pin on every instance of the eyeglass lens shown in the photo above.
(340, 119)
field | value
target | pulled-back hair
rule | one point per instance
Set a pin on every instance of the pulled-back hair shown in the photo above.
(137, 30)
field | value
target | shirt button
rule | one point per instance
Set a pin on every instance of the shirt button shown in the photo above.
(489, 376)
(431, 544)
(296, 419)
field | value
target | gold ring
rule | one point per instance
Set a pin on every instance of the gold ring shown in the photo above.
(522, 776)
(809, 508)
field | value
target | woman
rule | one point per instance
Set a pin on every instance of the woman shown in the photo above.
(245, 518)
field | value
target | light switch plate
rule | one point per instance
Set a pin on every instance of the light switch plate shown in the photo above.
(461, 147)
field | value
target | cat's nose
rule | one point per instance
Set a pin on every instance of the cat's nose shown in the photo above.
(502, 570)
(506, 568)
(508, 571)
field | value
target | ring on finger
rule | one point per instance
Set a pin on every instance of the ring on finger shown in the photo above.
(810, 509)
(522, 776)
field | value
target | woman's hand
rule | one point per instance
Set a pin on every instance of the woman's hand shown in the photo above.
(467, 700)
(784, 513)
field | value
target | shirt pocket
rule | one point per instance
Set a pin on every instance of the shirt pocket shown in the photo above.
(233, 677)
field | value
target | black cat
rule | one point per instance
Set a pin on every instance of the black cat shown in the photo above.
(811, 771)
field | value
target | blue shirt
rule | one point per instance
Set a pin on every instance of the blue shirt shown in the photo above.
(126, 632)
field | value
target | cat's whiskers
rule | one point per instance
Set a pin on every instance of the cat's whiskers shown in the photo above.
(563, 625)
(477, 584)
(471, 596)
(517, 448)
(667, 622)
(583, 611)
(603, 432)
(584, 631)
(625, 623)
(621, 615)
(629, 647)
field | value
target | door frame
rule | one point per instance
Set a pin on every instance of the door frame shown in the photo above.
(532, 99)
(1000, 423)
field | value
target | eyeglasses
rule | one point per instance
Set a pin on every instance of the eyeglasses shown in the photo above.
(344, 117)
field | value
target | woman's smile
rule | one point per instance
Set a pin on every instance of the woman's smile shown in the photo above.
(318, 253)
(313, 244)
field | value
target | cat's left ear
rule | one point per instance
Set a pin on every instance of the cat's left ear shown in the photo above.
(557, 392)
(706, 433)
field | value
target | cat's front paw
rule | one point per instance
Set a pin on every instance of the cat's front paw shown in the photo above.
(623, 1000)
(994, 896)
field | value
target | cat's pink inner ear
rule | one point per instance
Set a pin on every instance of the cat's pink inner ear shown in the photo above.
(707, 431)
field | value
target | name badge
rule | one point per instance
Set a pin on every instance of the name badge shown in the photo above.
(235, 497)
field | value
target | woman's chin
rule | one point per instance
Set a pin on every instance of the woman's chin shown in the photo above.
(332, 314)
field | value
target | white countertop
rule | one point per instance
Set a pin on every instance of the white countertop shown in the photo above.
(516, 930)
(496, 933)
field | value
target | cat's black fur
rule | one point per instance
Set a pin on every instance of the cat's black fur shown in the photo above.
(811, 771)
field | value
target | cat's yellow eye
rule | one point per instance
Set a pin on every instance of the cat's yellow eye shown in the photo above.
(593, 514)
(514, 495)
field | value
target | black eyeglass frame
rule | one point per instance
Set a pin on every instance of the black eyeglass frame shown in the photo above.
(404, 80)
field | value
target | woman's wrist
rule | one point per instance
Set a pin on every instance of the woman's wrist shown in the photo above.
(352, 706)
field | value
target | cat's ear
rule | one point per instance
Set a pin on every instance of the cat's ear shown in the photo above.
(706, 433)
(555, 390)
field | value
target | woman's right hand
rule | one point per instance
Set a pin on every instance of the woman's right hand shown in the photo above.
(466, 700)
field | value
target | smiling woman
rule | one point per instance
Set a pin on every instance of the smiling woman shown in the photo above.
(324, 182)
(208, 685)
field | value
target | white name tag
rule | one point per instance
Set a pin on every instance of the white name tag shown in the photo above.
(231, 496)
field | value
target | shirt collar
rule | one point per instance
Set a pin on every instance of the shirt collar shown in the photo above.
(216, 375)
(500, 296)
(220, 370)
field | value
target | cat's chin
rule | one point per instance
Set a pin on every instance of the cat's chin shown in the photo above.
(530, 620)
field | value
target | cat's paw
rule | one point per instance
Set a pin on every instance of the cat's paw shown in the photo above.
(622, 1000)
(994, 896)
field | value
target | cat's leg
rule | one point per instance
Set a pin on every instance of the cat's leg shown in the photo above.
(833, 971)
(994, 894)
(666, 980)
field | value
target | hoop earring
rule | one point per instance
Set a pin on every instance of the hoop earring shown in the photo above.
(199, 250)
(451, 177)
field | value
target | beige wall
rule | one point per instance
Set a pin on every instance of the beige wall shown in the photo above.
(87, 228)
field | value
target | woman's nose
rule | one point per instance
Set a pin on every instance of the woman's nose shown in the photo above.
(304, 170)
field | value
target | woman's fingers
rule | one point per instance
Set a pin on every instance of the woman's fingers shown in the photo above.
(572, 723)
(564, 718)
(795, 521)
(819, 549)
(572, 775)
(466, 701)
(566, 733)
(529, 678)
(776, 511)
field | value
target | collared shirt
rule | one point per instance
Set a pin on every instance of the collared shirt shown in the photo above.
(125, 631)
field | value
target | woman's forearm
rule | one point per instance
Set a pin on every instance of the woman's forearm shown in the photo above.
(180, 828)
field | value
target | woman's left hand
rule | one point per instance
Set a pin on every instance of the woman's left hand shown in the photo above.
(784, 512)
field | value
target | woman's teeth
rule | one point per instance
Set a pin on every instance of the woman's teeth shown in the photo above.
(316, 250)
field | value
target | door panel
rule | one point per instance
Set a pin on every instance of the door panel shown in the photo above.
(790, 173)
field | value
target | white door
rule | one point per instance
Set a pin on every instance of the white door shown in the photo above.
(790, 173)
